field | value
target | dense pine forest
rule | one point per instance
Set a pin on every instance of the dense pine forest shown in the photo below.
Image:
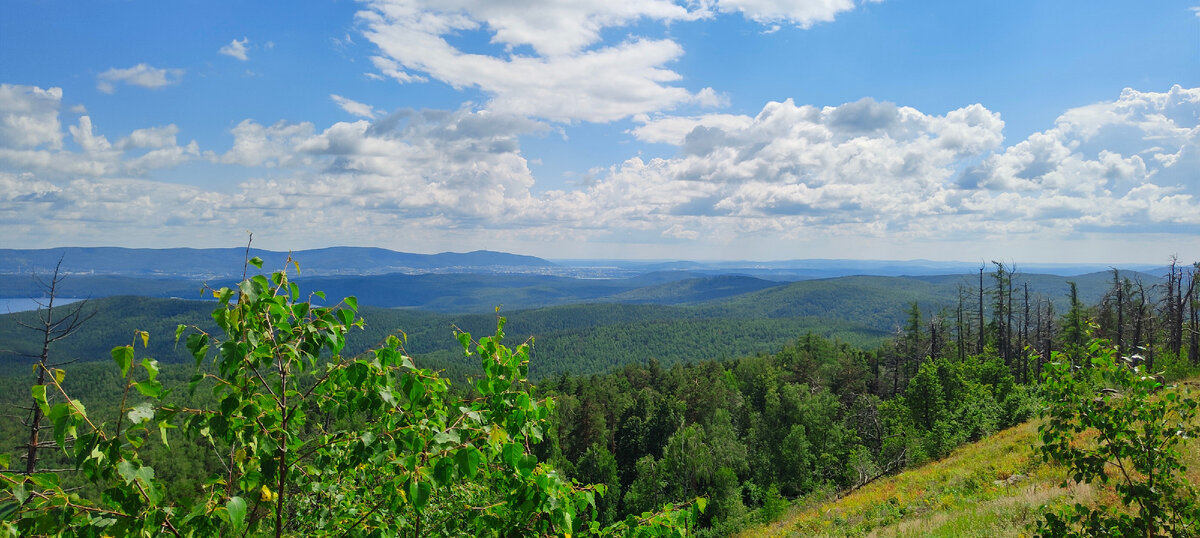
(726, 421)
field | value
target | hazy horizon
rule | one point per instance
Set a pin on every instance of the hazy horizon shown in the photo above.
(714, 262)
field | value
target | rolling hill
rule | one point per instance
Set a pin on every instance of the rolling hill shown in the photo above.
(581, 326)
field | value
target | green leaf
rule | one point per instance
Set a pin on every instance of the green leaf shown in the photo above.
(123, 356)
(420, 494)
(467, 460)
(151, 367)
(511, 453)
(39, 396)
(387, 396)
(162, 431)
(20, 493)
(6, 510)
(5, 459)
(237, 512)
(256, 261)
(441, 471)
(149, 388)
(447, 437)
(44, 480)
(526, 465)
(346, 317)
(78, 405)
(127, 471)
(351, 302)
(141, 413)
(179, 331)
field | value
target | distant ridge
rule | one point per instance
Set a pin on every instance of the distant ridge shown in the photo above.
(218, 262)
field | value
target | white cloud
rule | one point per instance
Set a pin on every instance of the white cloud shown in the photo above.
(803, 13)
(865, 173)
(408, 164)
(141, 75)
(152, 137)
(565, 74)
(32, 141)
(236, 49)
(872, 169)
(256, 145)
(29, 116)
(353, 107)
(1125, 164)
(392, 69)
(790, 168)
(551, 60)
(673, 129)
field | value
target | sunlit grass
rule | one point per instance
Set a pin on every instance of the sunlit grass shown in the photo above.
(966, 494)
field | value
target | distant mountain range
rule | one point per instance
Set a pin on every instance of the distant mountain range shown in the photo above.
(228, 262)
(805, 269)
(216, 263)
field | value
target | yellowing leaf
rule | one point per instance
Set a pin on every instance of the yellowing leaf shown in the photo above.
(266, 494)
(497, 436)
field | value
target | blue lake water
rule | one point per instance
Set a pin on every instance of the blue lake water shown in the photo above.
(21, 305)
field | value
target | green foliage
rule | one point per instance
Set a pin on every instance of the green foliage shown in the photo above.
(311, 442)
(1137, 432)
(599, 467)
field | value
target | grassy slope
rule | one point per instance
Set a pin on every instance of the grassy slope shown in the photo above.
(963, 495)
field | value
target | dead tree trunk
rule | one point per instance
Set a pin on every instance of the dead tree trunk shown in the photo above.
(51, 328)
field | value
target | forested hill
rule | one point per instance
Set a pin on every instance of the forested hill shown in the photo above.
(438, 292)
(228, 262)
(673, 321)
(731, 394)
(847, 298)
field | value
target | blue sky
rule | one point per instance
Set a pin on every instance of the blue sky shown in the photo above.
(713, 129)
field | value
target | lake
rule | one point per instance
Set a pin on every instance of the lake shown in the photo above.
(8, 305)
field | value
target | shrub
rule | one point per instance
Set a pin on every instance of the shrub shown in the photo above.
(314, 443)
(1138, 434)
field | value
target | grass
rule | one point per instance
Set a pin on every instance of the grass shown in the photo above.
(995, 487)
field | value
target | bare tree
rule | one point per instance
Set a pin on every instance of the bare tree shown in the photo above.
(53, 323)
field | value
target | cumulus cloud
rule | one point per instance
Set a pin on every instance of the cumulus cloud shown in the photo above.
(141, 75)
(463, 165)
(236, 49)
(29, 116)
(554, 65)
(551, 60)
(269, 146)
(802, 13)
(1119, 164)
(410, 169)
(789, 167)
(862, 171)
(32, 140)
(877, 169)
(352, 107)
